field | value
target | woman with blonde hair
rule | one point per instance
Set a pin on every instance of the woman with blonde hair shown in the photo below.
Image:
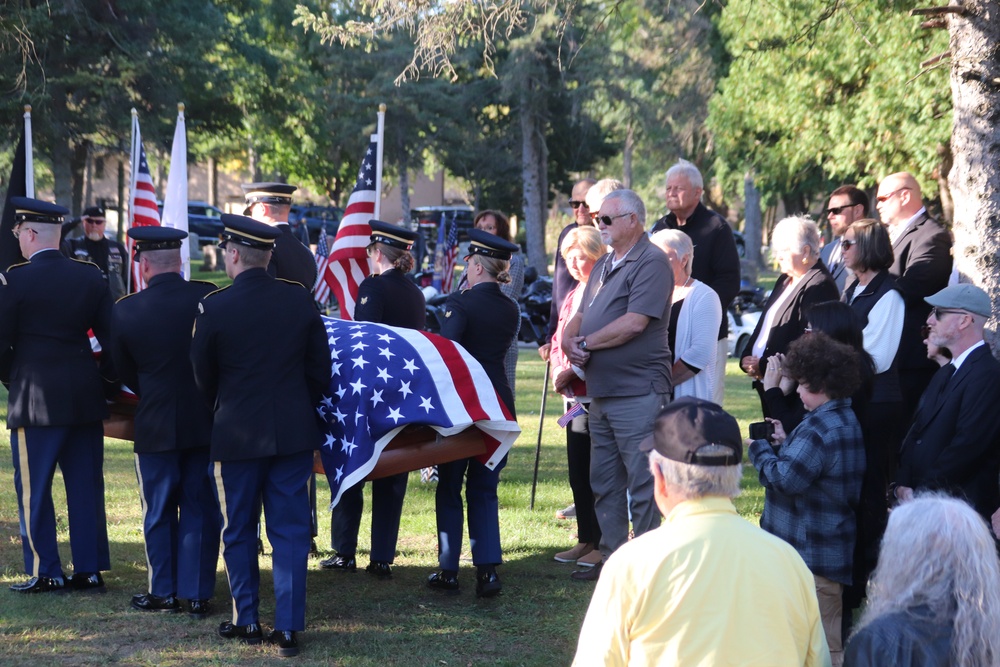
(581, 248)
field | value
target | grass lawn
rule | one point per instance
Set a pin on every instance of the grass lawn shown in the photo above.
(352, 619)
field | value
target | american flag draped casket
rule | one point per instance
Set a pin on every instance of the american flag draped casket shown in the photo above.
(398, 400)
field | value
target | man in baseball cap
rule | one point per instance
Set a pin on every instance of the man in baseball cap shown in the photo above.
(706, 586)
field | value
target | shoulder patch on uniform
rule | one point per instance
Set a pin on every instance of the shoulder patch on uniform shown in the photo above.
(447, 313)
(221, 289)
(364, 300)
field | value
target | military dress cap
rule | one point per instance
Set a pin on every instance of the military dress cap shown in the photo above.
(490, 245)
(155, 237)
(962, 297)
(93, 212)
(248, 232)
(695, 431)
(267, 193)
(35, 210)
(390, 234)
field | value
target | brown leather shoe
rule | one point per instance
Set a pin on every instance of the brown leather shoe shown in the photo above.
(588, 574)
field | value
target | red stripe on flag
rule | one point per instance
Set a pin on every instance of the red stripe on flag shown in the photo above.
(461, 377)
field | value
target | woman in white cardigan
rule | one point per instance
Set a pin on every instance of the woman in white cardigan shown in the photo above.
(694, 320)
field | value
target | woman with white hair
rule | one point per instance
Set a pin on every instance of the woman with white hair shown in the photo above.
(934, 598)
(804, 281)
(694, 320)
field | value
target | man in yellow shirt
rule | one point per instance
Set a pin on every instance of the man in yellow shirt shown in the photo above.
(706, 587)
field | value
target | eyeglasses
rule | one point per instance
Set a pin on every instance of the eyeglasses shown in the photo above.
(577, 204)
(938, 312)
(18, 230)
(607, 220)
(837, 210)
(846, 244)
(881, 199)
(95, 221)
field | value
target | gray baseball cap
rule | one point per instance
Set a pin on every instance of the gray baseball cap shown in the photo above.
(962, 297)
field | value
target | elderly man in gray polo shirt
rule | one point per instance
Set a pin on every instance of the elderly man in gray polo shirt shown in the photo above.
(619, 337)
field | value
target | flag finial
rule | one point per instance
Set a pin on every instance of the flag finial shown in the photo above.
(134, 112)
(27, 108)
(381, 107)
(180, 107)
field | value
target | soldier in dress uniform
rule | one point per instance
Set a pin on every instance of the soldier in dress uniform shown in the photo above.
(291, 260)
(57, 399)
(151, 346)
(387, 297)
(483, 321)
(94, 246)
(261, 358)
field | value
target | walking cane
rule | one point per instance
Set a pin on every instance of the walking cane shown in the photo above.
(538, 445)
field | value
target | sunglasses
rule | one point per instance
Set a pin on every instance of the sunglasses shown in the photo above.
(938, 312)
(881, 199)
(608, 220)
(577, 204)
(846, 244)
(837, 210)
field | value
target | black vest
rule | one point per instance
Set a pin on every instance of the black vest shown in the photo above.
(885, 388)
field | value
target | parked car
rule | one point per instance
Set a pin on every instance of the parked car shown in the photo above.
(317, 217)
(425, 221)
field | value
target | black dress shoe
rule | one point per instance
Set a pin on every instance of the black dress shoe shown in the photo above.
(285, 641)
(380, 569)
(587, 574)
(340, 562)
(199, 608)
(487, 582)
(87, 582)
(248, 634)
(149, 602)
(41, 585)
(445, 581)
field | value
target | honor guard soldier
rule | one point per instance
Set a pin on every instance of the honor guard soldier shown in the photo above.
(57, 400)
(261, 358)
(483, 321)
(109, 255)
(387, 297)
(291, 260)
(151, 347)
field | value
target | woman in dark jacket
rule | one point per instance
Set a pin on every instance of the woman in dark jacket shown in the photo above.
(483, 321)
(803, 282)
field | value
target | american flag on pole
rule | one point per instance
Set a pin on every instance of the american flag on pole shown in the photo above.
(321, 290)
(450, 254)
(142, 203)
(348, 264)
(385, 378)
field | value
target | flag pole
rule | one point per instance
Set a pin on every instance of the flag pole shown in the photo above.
(380, 133)
(29, 163)
(131, 192)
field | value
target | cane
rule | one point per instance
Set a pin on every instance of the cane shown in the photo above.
(538, 445)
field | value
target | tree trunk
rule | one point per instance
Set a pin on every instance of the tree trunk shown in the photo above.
(975, 145)
(535, 182)
(213, 182)
(627, 153)
(753, 225)
(77, 169)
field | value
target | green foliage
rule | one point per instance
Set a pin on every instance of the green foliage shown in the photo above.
(819, 93)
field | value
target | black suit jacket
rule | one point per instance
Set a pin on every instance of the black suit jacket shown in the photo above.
(151, 346)
(46, 307)
(261, 358)
(291, 260)
(954, 442)
(484, 321)
(391, 298)
(921, 265)
(816, 286)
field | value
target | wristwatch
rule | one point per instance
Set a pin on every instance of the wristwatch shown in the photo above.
(583, 344)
